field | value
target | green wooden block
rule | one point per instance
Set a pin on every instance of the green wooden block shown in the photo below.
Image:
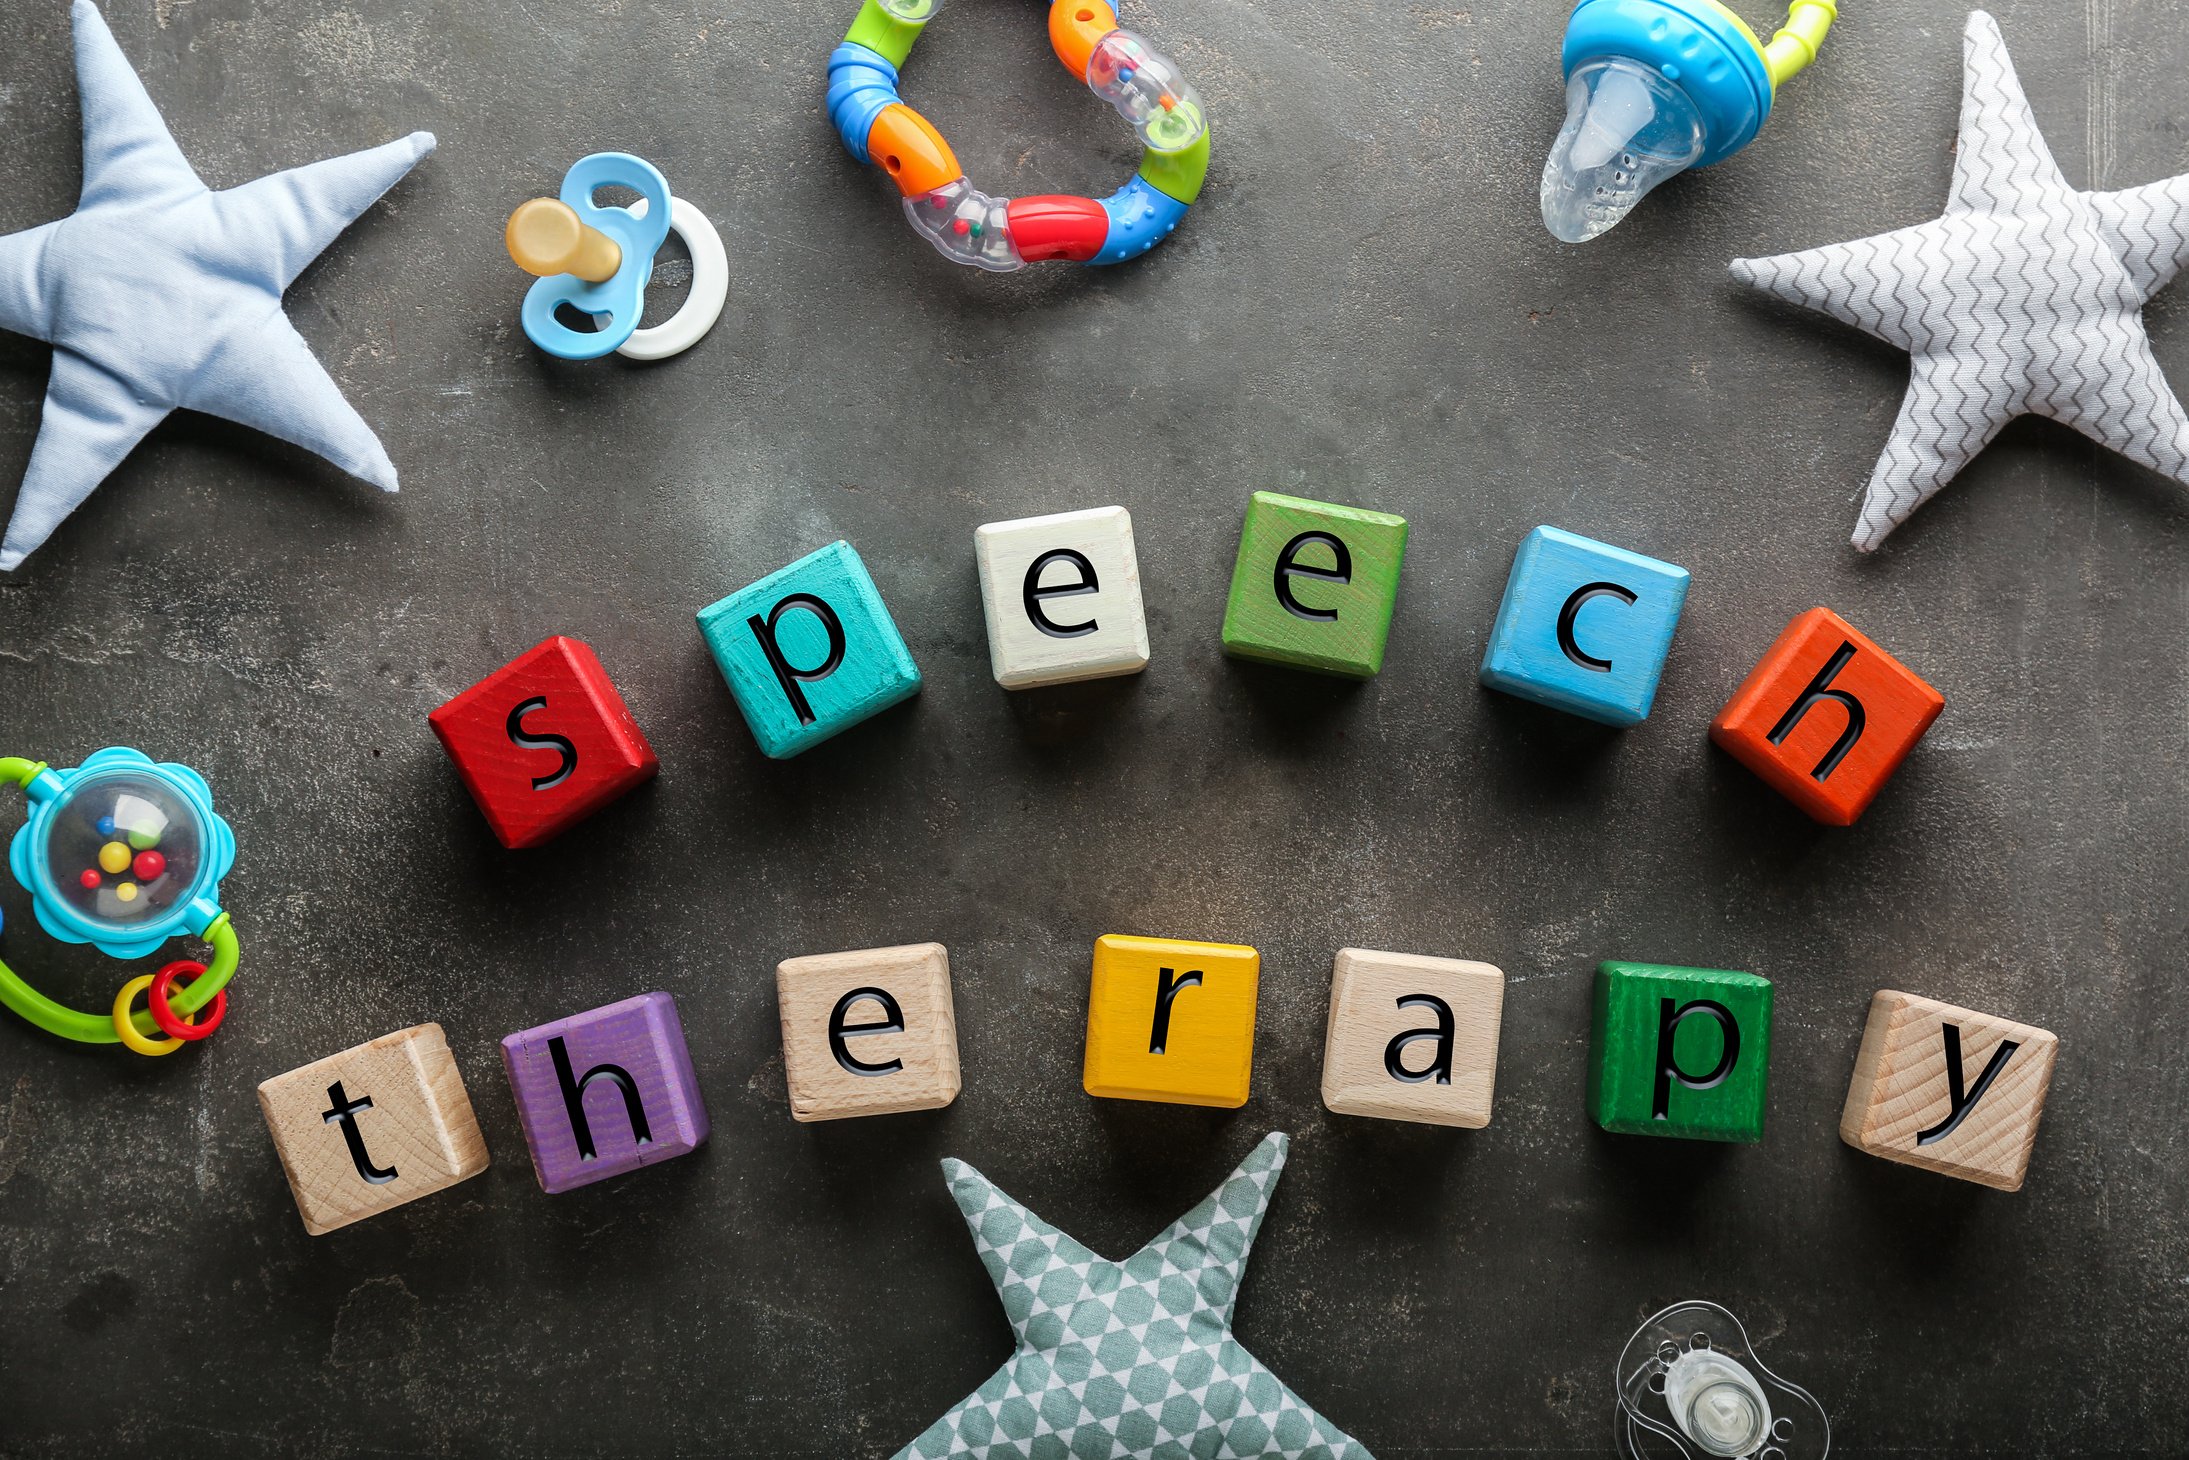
(1314, 585)
(1680, 1052)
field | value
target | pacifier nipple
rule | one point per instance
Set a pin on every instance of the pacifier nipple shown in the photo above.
(546, 237)
(1628, 128)
(1717, 1402)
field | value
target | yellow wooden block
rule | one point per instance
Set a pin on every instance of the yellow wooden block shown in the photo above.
(1171, 1020)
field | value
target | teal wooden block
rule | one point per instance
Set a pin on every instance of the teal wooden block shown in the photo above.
(1584, 627)
(1314, 585)
(810, 650)
(1680, 1052)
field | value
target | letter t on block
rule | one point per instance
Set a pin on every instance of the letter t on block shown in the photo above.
(1948, 1089)
(373, 1127)
(1680, 1052)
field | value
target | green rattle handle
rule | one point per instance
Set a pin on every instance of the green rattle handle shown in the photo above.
(1797, 42)
(99, 1028)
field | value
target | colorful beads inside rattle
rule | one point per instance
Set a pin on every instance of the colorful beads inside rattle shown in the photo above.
(1146, 87)
(124, 849)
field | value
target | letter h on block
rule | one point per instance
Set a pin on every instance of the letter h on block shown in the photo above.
(809, 651)
(1826, 717)
(605, 1092)
(1680, 1052)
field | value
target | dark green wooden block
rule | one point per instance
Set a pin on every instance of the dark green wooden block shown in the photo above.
(1659, 1062)
(1314, 585)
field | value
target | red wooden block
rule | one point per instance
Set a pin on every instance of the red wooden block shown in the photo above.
(1827, 717)
(543, 742)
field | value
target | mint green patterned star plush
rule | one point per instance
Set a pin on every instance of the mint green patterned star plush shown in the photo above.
(1129, 1360)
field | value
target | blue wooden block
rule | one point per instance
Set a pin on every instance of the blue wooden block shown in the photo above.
(810, 650)
(1584, 627)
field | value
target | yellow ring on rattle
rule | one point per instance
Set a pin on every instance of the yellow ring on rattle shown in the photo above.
(127, 1031)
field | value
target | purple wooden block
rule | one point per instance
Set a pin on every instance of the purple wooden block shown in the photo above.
(605, 1092)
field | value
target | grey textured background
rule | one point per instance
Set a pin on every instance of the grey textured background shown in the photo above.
(1363, 307)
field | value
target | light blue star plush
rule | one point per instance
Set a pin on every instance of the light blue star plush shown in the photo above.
(158, 293)
(1129, 1360)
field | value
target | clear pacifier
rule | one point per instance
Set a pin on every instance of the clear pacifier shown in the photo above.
(1627, 130)
(1690, 1387)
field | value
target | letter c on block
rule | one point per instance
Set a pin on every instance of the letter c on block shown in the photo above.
(1572, 610)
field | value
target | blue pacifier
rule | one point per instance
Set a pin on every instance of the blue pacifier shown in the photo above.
(1654, 87)
(598, 261)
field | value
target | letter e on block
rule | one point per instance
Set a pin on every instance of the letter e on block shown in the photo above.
(373, 1127)
(1412, 1038)
(1948, 1089)
(871, 1032)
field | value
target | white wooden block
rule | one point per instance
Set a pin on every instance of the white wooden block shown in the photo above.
(871, 1032)
(1412, 1038)
(1062, 597)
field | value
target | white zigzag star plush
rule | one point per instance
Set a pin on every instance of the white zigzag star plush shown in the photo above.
(157, 294)
(1129, 1360)
(2026, 298)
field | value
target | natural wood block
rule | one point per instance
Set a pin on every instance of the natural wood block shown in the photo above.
(1172, 1021)
(1584, 627)
(605, 1092)
(1827, 717)
(543, 742)
(1412, 1038)
(373, 1127)
(1314, 585)
(871, 1032)
(810, 650)
(1680, 1052)
(1948, 1089)
(1062, 597)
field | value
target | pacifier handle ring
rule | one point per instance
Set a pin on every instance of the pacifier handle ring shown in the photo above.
(1798, 40)
(57, 1018)
(710, 287)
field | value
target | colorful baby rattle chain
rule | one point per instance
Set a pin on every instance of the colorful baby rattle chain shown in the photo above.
(124, 853)
(1002, 234)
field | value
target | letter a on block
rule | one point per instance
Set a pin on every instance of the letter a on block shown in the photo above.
(1948, 1089)
(1412, 1038)
(1172, 1021)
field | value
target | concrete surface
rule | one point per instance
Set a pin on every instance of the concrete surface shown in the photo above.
(1365, 308)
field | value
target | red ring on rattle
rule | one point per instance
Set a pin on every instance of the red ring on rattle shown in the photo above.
(155, 999)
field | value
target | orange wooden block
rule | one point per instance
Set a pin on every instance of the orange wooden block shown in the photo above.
(1948, 1089)
(1827, 717)
(1172, 1021)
